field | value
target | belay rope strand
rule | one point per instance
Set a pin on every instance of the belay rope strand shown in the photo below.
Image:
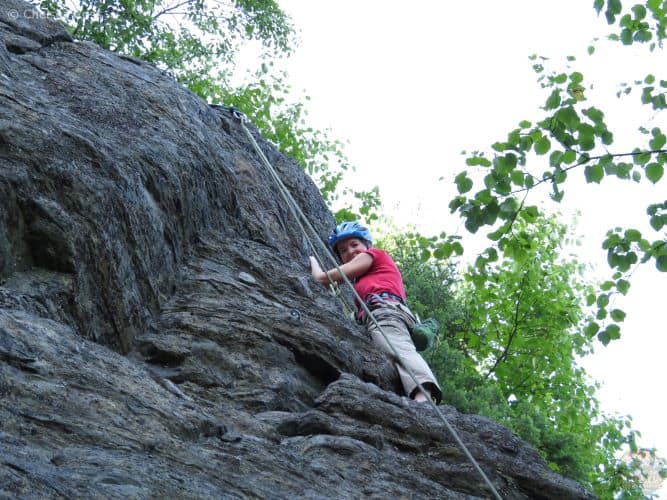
(302, 220)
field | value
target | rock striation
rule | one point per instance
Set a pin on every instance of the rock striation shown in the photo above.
(160, 336)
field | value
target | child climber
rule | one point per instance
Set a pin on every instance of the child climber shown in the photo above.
(378, 282)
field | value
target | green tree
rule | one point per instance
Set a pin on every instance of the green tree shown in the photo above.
(572, 137)
(525, 333)
(512, 334)
(198, 42)
(429, 287)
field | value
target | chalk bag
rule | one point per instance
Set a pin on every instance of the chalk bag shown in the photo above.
(424, 334)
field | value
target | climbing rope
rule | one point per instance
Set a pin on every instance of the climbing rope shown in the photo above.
(291, 204)
(306, 226)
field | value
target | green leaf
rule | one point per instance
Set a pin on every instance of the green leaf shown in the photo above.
(542, 146)
(560, 79)
(603, 300)
(617, 315)
(576, 77)
(654, 172)
(646, 95)
(585, 131)
(517, 177)
(556, 195)
(623, 170)
(569, 117)
(529, 214)
(484, 196)
(569, 156)
(514, 137)
(623, 286)
(553, 101)
(560, 176)
(657, 222)
(658, 141)
(496, 235)
(633, 235)
(509, 206)
(639, 11)
(642, 158)
(626, 36)
(603, 337)
(606, 286)
(472, 223)
(594, 173)
(443, 251)
(613, 332)
(456, 203)
(591, 329)
(586, 136)
(595, 114)
(661, 263)
(463, 182)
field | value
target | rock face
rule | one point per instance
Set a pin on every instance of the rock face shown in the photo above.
(160, 336)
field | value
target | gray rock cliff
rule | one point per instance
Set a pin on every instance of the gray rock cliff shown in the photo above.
(160, 336)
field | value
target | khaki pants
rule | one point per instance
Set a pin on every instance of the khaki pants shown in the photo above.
(394, 319)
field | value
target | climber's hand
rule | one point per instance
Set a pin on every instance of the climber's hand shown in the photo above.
(315, 269)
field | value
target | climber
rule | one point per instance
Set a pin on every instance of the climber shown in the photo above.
(378, 282)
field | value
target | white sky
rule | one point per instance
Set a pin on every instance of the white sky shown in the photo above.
(411, 85)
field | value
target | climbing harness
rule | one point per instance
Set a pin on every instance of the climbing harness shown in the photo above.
(302, 221)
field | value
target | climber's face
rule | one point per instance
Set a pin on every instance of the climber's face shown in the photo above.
(349, 248)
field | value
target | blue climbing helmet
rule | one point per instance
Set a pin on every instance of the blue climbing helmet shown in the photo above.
(350, 229)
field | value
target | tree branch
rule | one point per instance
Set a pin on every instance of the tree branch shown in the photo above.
(171, 8)
(583, 162)
(513, 333)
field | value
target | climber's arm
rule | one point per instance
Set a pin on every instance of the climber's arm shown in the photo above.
(358, 266)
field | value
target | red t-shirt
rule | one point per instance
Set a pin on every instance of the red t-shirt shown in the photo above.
(383, 276)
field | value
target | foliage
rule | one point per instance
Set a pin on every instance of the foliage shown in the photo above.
(198, 42)
(188, 37)
(525, 333)
(572, 136)
(642, 23)
(509, 351)
(429, 287)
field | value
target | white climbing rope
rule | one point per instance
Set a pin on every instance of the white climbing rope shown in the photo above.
(302, 221)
